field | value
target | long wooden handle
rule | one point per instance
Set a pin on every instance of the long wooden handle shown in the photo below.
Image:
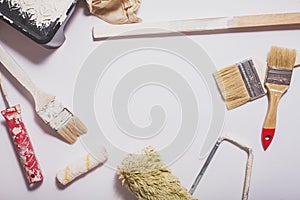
(15, 70)
(41, 98)
(198, 25)
(23, 144)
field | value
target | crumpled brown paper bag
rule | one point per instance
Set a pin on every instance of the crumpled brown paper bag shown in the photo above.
(115, 11)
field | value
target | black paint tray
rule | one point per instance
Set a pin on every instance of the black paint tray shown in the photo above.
(50, 35)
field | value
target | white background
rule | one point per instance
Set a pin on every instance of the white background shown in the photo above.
(275, 172)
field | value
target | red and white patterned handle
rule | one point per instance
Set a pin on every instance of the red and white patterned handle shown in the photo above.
(23, 144)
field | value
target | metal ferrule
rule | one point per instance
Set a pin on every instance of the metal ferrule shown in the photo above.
(279, 76)
(251, 79)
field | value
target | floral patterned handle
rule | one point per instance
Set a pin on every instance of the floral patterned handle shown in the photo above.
(22, 143)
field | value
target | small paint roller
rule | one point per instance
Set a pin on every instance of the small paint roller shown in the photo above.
(21, 139)
(82, 165)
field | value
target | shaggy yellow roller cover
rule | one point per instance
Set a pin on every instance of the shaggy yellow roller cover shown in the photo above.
(148, 179)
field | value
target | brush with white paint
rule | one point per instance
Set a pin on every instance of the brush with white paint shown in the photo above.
(52, 112)
(21, 140)
(82, 165)
(204, 25)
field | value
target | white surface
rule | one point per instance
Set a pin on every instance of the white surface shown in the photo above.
(275, 172)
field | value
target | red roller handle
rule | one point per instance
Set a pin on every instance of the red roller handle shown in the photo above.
(22, 143)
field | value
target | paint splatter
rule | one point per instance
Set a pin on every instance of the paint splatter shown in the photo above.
(41, 13)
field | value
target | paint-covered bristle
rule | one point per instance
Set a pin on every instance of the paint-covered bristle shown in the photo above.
(62, 121)
(72, 129)
(231, 86)
(282, 58)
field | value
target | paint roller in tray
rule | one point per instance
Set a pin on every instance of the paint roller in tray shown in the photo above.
(43, 21)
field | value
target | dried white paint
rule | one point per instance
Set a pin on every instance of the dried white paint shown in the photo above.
(16, 130)
(55, 114)
(42, 12)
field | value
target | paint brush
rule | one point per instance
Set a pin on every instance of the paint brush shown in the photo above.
(204, 25)
(21, 140)
(241, 82)
(280, 64)
(244, 81)
(48, 108)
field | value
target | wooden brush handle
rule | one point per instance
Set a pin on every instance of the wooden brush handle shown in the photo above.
(12, 66)
(208, 24)
(21, 76)
(23, 144)
(275, 92)
(270, 119)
